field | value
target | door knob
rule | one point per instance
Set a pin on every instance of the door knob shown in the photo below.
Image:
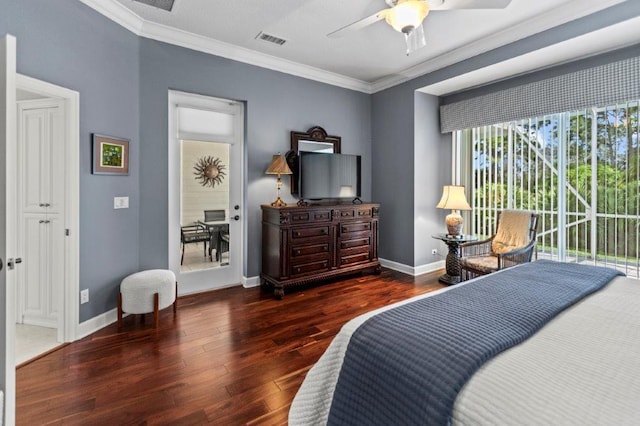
(236, 207)
(11, 263)
(236, 217)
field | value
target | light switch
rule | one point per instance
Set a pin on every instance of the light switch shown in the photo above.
(120, 202)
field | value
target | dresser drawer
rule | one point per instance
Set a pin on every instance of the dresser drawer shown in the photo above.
(316, 231)
(346, 214)
(317, 266)
(346, 228)
(354, 258)
(358, 242)
(364, 213)
(306, 250)
(311, 216)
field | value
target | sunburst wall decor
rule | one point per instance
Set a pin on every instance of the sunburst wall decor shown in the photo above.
(209, 171)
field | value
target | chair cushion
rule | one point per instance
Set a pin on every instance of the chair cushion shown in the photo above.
(513, 231)
(484, 264)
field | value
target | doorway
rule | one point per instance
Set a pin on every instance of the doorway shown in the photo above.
(206, 144)
(47, 217)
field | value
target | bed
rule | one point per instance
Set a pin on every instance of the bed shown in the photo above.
(566, 351)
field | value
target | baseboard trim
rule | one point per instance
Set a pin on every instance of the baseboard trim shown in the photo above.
(96, 323)
(250, 282)
(412, 270)
(429, 267)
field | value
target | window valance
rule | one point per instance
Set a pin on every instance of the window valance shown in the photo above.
(602, 85)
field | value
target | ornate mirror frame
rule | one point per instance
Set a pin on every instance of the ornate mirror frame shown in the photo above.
(301, 141)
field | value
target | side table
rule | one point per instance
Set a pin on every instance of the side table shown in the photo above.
(453, 257)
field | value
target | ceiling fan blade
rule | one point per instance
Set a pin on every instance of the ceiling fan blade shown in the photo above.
(358, 24)
(468, 4)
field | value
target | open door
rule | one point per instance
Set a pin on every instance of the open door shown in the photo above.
(7, 224)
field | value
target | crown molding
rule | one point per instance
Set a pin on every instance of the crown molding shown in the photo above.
(560, 15)
(143, 28)
(136, 24)
(193, 41)
(117, 13)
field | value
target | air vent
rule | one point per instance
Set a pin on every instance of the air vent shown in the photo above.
(160, 4)
(271, 39)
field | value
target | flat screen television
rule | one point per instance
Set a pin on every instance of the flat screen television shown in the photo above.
(329, 176)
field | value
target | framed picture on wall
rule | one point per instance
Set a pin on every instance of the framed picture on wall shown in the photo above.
(110, 155)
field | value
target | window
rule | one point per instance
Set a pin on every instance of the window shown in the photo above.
(580, 171)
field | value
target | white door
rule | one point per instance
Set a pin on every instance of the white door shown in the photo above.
(7, 223)
(41, 148)
(217, 126)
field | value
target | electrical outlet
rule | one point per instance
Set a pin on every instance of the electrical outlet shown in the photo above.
(434, 251)
(84, 296)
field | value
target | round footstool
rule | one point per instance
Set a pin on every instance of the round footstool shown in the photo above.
(147, 291)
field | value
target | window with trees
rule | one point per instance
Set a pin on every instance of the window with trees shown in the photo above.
(580, 171)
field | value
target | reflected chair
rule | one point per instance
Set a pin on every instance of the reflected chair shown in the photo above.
(222, 243)
(513, 243)
(194, 234)
(214, 215)
(216, 230)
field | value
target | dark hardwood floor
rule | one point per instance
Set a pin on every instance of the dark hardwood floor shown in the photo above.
(232, 356)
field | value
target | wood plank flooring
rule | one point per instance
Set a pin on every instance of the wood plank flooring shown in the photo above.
(232, 356)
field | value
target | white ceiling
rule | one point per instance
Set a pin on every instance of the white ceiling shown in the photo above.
(367, 60)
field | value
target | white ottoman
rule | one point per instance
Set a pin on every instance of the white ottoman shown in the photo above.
(147, 291)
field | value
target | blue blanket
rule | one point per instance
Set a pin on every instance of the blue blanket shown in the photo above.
(406, 366)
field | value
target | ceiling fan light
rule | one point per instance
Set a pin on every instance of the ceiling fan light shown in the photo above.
(415, 39)
(406, 16)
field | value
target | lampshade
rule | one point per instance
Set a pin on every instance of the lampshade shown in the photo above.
(453, 198)
(407, 15)
(278, 166)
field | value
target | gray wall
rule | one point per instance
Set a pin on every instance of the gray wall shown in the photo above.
(123, 83)
(68, 44)
(393, 153)
(431, 147)
(276, 103)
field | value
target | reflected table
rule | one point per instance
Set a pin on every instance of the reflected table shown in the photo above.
(453, 257)
(219, 231)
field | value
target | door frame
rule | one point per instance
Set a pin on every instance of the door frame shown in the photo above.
(8, 193)
(198, 281)
(69, 319)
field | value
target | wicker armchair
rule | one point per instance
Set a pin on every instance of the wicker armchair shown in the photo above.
(513, 243)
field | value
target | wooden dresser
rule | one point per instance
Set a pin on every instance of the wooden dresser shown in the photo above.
(305, 244)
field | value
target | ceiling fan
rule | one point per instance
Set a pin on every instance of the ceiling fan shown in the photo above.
(406, 16)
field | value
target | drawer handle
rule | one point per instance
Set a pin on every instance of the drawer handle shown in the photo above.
(297, 252)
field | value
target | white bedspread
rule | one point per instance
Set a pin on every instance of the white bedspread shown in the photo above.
(581, 368)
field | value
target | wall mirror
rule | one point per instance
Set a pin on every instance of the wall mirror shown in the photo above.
(316, 140)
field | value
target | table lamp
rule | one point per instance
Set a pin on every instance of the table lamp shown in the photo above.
(278, 167)
(453, 198)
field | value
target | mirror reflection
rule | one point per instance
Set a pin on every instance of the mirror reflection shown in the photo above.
(204, 205)
(311, 146)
